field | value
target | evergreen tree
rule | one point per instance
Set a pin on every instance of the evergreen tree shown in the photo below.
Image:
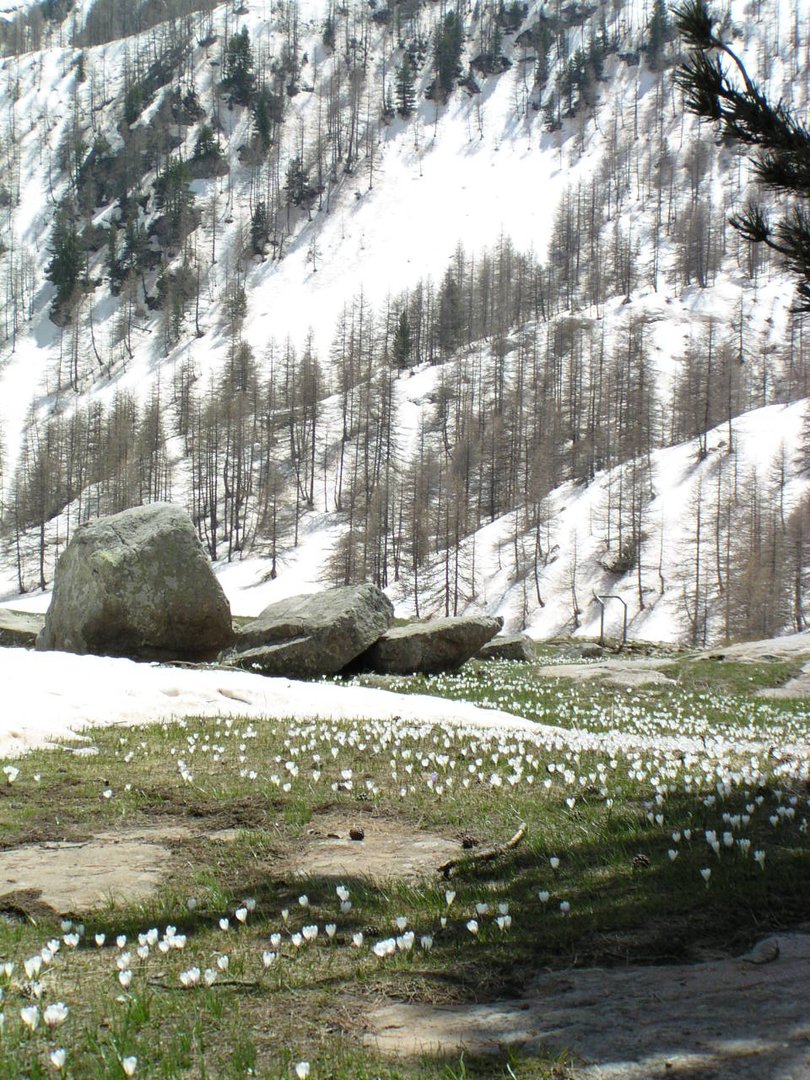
(447, 46)
(449, 327)
(136, 245)
(328, 33)
(174, 196)
(239, 77)
(207, 147)
(268, 112)
(259, 228)
(658, 33)
(67, 269)
(779, 140)
(406, 93)
(402, 346)
(297, 185)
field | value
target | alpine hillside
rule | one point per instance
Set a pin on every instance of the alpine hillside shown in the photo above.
(442, 297)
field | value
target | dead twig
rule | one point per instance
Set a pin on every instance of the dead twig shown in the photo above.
(485, 854)
(241, 984)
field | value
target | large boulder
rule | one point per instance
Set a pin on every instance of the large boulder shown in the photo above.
(138, 584)
(317, 634)
(429, 647)
(508, 647)
(19, 630)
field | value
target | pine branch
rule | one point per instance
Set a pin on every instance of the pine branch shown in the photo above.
(781, 142)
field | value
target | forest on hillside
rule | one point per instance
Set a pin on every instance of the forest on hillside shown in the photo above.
(217, 147)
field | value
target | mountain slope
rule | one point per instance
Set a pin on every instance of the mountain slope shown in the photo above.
(552, 234)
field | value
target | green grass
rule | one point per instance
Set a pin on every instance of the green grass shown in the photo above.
(732, 677)
(607, 811)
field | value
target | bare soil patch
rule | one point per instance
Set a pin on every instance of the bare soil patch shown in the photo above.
(727, 1018)
(389, 849)
(74, 876)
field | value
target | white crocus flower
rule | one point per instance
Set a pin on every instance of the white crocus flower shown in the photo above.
(30, 1016)
(55, 1014)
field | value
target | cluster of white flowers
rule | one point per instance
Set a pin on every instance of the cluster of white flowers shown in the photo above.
(741, 794)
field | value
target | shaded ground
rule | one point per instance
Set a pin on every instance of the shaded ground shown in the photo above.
(730, 1019)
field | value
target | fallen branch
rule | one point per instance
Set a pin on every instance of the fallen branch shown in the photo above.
(485, 854)
(246, 984)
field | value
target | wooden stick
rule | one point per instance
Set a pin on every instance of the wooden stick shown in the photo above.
(485, 854)
(239, 983)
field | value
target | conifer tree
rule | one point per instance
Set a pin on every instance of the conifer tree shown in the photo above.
(268, 112)
(447, 47)
(658, 33)
(173, 195)
(259, 228)
(406, 93)
(239, 76)
(779, 140)
(402, 346)
(67, 268)
(207, 146)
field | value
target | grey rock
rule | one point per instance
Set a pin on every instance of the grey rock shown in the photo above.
(764, 952)
(511, 647)
(429, 647)
(307, 636)
(589, 651)
(138, 584)
(19, 630)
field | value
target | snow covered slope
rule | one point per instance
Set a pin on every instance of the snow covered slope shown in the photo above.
(557, 218)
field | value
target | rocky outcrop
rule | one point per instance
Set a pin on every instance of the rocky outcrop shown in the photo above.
(429, 647)
(138, 584)
(305, 637)
(511, 647)
(19, 630)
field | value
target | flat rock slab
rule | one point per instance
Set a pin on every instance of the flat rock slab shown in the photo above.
(725, 1020)
(73, 877)
(18, 630)
(613, 672)
(780, 648)
(386, 852)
